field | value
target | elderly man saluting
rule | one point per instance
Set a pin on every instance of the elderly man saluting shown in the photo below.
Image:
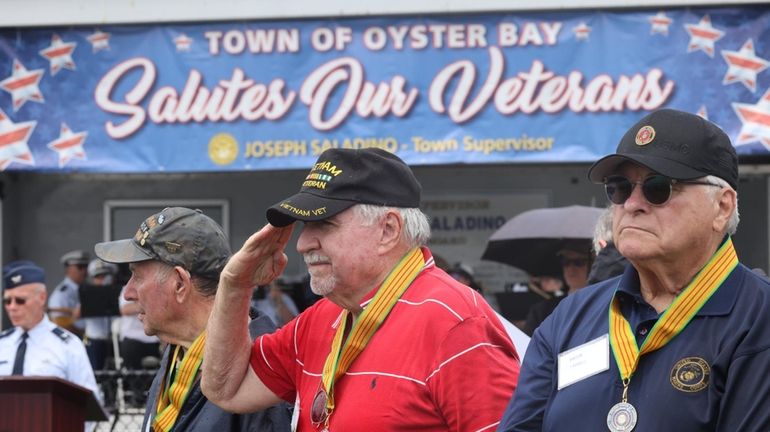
(681, 340)
(396, 344)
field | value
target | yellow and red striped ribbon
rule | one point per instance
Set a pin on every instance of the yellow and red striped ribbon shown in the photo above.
(338, 361)
(675, 318)
(174, 395)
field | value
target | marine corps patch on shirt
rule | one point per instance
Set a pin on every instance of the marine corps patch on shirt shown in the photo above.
(690, 374)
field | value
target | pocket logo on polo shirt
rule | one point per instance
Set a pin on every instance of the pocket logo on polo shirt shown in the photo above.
(690, 374)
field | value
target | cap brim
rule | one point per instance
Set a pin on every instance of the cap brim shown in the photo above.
(121, 251)
(608, 165)
(305, 207)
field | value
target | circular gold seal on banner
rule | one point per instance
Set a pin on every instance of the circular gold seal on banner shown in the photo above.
(690, 374)
(645, 135)
(223, 149)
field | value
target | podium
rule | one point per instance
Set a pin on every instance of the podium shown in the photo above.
(46, 404)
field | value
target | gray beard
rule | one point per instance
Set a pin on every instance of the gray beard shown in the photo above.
(322, 287)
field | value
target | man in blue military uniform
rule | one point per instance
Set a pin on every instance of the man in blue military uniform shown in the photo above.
(64, 302)
(681, 339)
(35, 346)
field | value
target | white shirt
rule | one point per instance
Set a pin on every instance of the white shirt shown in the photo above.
(48, 354)
(98, 327)
(65, 295)
(519, 338)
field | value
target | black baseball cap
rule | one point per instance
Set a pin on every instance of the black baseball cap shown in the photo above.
(177, 236)
(677, 144)
(341, 178)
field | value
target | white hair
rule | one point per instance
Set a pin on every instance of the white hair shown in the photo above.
(416, 230)
(735, 218)
(603, 230)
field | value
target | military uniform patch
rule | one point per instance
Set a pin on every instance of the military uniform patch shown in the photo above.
(61, 333)
(690, 374)
(645, 135)
(172, 247)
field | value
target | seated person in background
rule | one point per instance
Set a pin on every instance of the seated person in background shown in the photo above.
(64, 300)
(273, 302)
(575, 258)
(97, 331)
(35, 346)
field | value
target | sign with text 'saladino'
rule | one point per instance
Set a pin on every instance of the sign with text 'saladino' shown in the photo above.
(487, 88)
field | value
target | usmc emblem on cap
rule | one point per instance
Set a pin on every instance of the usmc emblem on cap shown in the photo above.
(645, 135)
(690, 374)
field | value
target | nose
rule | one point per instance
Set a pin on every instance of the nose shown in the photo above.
(307, 241)
(130, 292)
(636, 200)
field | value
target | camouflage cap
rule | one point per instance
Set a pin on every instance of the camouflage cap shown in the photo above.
(177, 236)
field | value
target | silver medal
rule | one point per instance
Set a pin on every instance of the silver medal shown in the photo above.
(622, 417)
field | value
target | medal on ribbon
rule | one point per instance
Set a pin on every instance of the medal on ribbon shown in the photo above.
(622, 417)
(342, 356)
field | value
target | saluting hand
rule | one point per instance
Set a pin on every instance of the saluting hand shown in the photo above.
(260, 260)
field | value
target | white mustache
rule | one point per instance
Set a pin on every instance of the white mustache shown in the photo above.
(315, 258)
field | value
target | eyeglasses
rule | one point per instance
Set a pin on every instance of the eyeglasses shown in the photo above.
(575, 262)
(19, 300)
(655, 188)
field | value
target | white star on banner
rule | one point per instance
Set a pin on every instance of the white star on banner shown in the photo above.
(743, 66)
(59, 53)
(703, 35)
(69, 145)
(13, 142)
(756, 121)
(23, 85)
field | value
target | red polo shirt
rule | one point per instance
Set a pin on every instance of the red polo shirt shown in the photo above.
(440, 361)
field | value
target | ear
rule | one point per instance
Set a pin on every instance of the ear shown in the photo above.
(726, 202)
(391, 226)
(183, 287)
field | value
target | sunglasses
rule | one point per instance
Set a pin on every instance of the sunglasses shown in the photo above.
(19, 300)
(656, 188)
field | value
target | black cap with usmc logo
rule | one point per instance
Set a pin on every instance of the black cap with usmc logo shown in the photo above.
(677, 144)
(344, 177)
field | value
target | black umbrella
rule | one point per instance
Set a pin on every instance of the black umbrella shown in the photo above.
(531, 239)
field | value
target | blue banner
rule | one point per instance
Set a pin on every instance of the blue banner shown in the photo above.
(475, 89)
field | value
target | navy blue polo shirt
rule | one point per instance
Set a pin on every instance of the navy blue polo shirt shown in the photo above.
(710, 377)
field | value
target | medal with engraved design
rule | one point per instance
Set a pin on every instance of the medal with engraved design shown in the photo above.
(622, 417)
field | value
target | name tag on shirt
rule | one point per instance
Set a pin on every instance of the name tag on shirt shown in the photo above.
(584, 361)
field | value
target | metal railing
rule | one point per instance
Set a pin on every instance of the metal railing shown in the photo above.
(124, 393)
